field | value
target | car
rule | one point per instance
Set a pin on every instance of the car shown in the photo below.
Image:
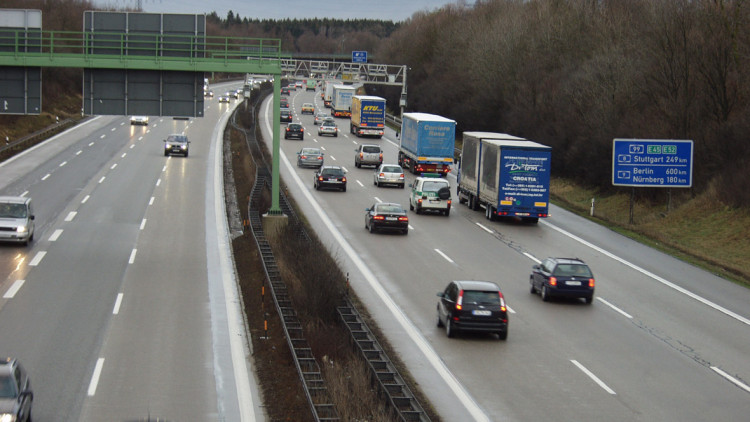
(283, 103)
(430, 194)
(386, 216)
(389, 174)
(224, 99)
(308, 108)
(238, 92)
(285, 91)
(176, 144)
(292, 87)
(319, 118)
(230, 94)
(298, 84)
(329, 119)
(368, 155)
(562, 277)
(139, 120)
(294, 130)
(16, 220)
(209, 93)
(16, 396)
(328, 128)
(472, 306)
(285, 115)
(333, 177)
(310, 157)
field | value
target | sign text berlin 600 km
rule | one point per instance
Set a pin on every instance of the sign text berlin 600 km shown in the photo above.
(652, 163)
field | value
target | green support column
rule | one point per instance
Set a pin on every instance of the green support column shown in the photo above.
(275, 208)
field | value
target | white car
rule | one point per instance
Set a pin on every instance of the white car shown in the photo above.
(328, 128)
(430, 194)
(139, 120)
(389, 174)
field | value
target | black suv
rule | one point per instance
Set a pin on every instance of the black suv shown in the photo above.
(562, 277)
(294, 130)
(477, 306)
(285, 115)
(15, 391)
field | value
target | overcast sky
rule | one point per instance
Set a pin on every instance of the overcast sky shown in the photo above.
(395, 10)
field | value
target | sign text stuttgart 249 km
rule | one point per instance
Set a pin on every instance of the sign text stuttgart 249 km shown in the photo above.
(652, 163)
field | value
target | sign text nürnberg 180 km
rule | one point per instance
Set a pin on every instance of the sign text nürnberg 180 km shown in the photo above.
(652, 163)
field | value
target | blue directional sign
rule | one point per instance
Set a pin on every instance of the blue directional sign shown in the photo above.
(359, 57)
(652, 163)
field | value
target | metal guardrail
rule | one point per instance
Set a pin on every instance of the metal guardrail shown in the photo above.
(42, 133)
(393, 120)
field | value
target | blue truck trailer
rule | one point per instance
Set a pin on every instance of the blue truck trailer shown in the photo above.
(427, 143)
(506, 175)
(368, 116)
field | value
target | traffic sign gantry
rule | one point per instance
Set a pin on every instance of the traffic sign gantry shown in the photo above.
(652, 163)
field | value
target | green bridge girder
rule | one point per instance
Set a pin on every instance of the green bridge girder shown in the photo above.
(148, 51)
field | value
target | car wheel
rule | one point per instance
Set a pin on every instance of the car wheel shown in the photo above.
(166, 153)
(532, 290)
(335, 135)
(447, 212)
(589, 299)
(406, 231)
(488, 213)
(317, 187)
(343, 189)
(401, 186)
(439, 322)
(449, 330)
(419, 209)
(411, 206)
(503, 335)
(372, 229)
(545, 293)
(186, 154)
(375, 182)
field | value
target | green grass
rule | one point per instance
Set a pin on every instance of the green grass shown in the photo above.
(699, 230)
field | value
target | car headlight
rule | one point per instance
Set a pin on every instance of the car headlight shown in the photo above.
(19, 229)
(7, 417)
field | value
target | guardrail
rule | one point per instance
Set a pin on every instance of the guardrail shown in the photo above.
(20, 143)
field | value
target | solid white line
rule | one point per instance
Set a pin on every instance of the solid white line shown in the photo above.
(132, 256)
(118, 302)
(71, 215)
(143, 223)
(734, 380)
(55, 235)
(484, 228)
(95, 377)
(46, 176)
(85, 198)
(593, 377)
(102, 179)
(14, 288)
(37, 258)
(661, 280)
(627, 315)
(444, 255)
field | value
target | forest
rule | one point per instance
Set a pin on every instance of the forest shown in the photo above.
(572, 74)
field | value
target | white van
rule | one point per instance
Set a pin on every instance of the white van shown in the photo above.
(16, 219)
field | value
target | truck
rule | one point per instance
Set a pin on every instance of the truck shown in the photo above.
(310, 85)
(427, 143)
(506, 175)
(341, 100)
(368, 116)
(327, 93)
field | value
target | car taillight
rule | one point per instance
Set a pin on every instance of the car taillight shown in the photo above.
(320, 157)
(304, 157)
(447, 169)
(403, 218)
(401, 176)
(553, 281)
(459, 303)
(419, 200)
(320, 178)
(378, 217)
(381, 156)
(502, 302)
(381, 175)
(287, 129)
(591, 282)
(343, 179)
(360, 155)
(302, 130)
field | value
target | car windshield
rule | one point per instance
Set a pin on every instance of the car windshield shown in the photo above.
(311, 151)
(13, 211)
(387, 208)
(331, 124)
(481, 298)
(295, 127)
(370, 149)
(332, 172)
(433, 186)
(392, 169)
(7, 387)
(174, 138)
(574, 270)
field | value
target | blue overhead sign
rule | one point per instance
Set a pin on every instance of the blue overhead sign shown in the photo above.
(652, 163)
(359, 57)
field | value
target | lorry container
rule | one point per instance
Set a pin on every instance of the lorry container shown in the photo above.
(506, 175)
(427, 143)
(310, 85)
(327, 93)
(368, 116)
(341, 100)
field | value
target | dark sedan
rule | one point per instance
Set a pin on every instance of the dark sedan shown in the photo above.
(330, 177)
(294, 130)
(562, 277)
(472, 306)
(386, 216)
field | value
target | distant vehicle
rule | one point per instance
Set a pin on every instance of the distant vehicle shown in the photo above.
(328, 128)
(562, 277)
(224, 99)
(472, 306)
(341, 100)
(292, 87)
(294, 130)
(285, 91)
(386, 216)
(176, 144)
(427, 143)
(319, 118)
(368, 155)
(139, 120)
(298, 84)
(284, 103)
(430, 194)
(368, 116)
(308, 108)
(330, 177)
(16, 220)
(16, 396)
(311, 84)
(310, 157)
(506, 175)
(389, 174)
(209, 93)
(234, 94)
(285, 115)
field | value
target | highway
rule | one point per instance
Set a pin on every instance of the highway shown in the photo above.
(663, 340)
(124, 307)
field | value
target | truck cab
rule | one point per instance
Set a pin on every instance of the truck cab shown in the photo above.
(430, 194)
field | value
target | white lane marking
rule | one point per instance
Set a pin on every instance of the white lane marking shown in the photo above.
(113, 166)
(471, 406)
(102, 179)
(37, 258)
(124, 154)
(79, 152)
(91, 144)
(734, 380)
(158, 182)
(360, 183)
(14, 288)
(322, 148)
(95, 377)
(661, 280)
(532, 257)
(85, 198)
(63, 164)
(593, 377)
(484, 228)
(163, 169)
(151, 201)
(113, 129)
(627, 315)
(344, 168)
(377, 199)
(24, 193)
(444, 256)
(132, 256)
(143, 223)
(71, 215)
(509, 309)
(411, 227)
(118, 302)
(103, 136)
(333, 158)
(55, 235)
(46, 176)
